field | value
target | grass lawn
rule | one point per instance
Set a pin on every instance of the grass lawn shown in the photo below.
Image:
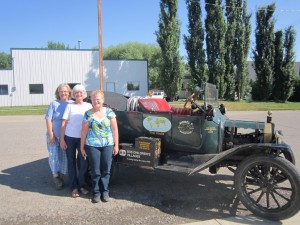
(251, 106)
(261, 106)
(23, 110)
(230, 105)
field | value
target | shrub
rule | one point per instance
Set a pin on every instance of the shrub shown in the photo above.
(296, 95)
(255, 92)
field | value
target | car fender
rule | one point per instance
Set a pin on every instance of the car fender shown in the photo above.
(260, 147)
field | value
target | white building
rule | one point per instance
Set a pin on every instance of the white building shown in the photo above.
(36, 73)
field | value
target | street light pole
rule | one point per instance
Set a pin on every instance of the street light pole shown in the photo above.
(100, 47)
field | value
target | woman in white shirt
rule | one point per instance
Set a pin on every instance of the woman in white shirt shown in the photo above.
(70, 140)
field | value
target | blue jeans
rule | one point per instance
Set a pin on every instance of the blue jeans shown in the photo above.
(100, 160)
(80, 181)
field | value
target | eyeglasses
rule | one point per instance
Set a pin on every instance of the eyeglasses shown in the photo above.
(97, 99)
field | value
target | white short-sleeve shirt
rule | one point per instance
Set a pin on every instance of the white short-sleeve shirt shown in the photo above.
(74, 115)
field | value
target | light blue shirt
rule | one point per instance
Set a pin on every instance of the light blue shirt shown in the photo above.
(54, 113)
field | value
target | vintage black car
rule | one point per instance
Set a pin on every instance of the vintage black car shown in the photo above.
(191, 139)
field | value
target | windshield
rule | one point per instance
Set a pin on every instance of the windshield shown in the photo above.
(210, 94)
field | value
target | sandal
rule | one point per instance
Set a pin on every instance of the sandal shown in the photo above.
(84, 191)
(75, 193)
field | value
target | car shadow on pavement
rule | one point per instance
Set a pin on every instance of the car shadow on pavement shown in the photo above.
(31, 177)
(198, 197)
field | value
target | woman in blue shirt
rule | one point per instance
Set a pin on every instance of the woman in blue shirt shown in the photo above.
(99, 141)
(57, 157)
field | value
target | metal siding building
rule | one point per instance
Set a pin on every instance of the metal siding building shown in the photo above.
(6, 78)
(45, 69)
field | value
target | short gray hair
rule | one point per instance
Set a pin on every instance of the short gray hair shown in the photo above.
(79, 87)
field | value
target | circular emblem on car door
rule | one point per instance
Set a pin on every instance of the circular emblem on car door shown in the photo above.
(186, 127)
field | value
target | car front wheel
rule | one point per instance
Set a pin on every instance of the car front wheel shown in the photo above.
(268, 186)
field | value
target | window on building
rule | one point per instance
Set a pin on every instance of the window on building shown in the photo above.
(3, 89)
(36, 89)
(133, 86)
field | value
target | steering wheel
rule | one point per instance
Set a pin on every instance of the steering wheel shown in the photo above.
(189, 99)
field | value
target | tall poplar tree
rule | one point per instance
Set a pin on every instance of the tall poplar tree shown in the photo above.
(278, 75)
(242, 47)
(215, 42)
(194, 43)
(264, 51)
(288, 71)
(231, 16)
(168, 37)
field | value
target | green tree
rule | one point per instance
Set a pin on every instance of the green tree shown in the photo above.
(194, 43)
(288, 71)
(130, 50)
(264, 51)
(5, 61)
(278, 74)
(296, 94)
(215, 42)
(56, 45)
(242, 47)
(135, 50)
(230, 38)
(168, 37)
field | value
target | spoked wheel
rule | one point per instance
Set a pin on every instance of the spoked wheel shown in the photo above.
(268, 186)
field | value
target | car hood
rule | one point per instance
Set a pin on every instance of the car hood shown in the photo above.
(244, 124)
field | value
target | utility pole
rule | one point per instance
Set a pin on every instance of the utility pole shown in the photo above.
(100, 47)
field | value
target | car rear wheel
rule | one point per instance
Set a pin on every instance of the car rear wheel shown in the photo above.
(268, 186)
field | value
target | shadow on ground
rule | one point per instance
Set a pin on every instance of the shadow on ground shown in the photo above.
(31, 177)
(198, 197)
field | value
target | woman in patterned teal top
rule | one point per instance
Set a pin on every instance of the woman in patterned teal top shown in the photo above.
(99, 142)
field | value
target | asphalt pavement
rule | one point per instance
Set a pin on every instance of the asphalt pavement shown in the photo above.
(27, 195)
(249, 220)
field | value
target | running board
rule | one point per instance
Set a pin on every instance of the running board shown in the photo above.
(174, 168)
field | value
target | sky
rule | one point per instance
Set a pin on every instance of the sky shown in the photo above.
(33, 23)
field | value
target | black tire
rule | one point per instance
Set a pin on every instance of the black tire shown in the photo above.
(268, 186)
